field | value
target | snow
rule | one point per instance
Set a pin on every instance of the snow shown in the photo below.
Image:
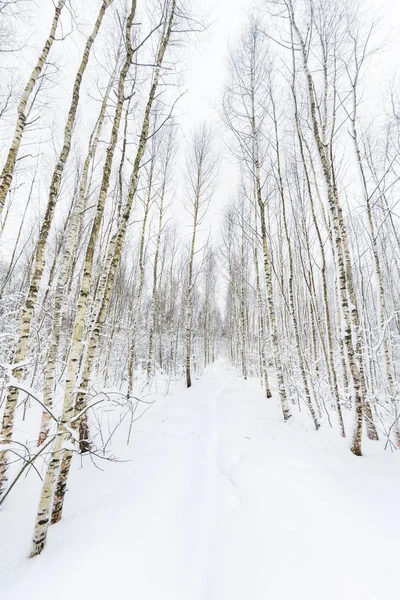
(219, 500)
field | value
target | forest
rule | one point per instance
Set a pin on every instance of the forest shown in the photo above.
(138, 251)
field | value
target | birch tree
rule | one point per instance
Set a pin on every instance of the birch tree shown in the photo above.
(165, 175)
(200, 174)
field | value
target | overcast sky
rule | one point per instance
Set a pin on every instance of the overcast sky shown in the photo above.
(207, 64)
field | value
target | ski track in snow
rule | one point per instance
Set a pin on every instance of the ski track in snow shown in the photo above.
(219, 501)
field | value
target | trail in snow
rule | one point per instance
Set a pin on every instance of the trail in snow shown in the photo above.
(219, 501)
(204, 516)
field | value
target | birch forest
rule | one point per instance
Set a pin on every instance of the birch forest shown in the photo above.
(140, 251)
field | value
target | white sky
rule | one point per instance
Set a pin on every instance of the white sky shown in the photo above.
(206, 66)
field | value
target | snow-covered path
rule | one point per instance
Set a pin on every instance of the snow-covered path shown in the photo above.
(219, 500)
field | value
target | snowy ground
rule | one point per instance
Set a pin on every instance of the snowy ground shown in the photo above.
(219, 500)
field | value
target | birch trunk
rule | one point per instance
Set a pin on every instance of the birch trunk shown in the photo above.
(137, 305)
(268, 274)
(152, 316)
(189, 308)
(200, 177)
(271, 311)
(243, 350)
